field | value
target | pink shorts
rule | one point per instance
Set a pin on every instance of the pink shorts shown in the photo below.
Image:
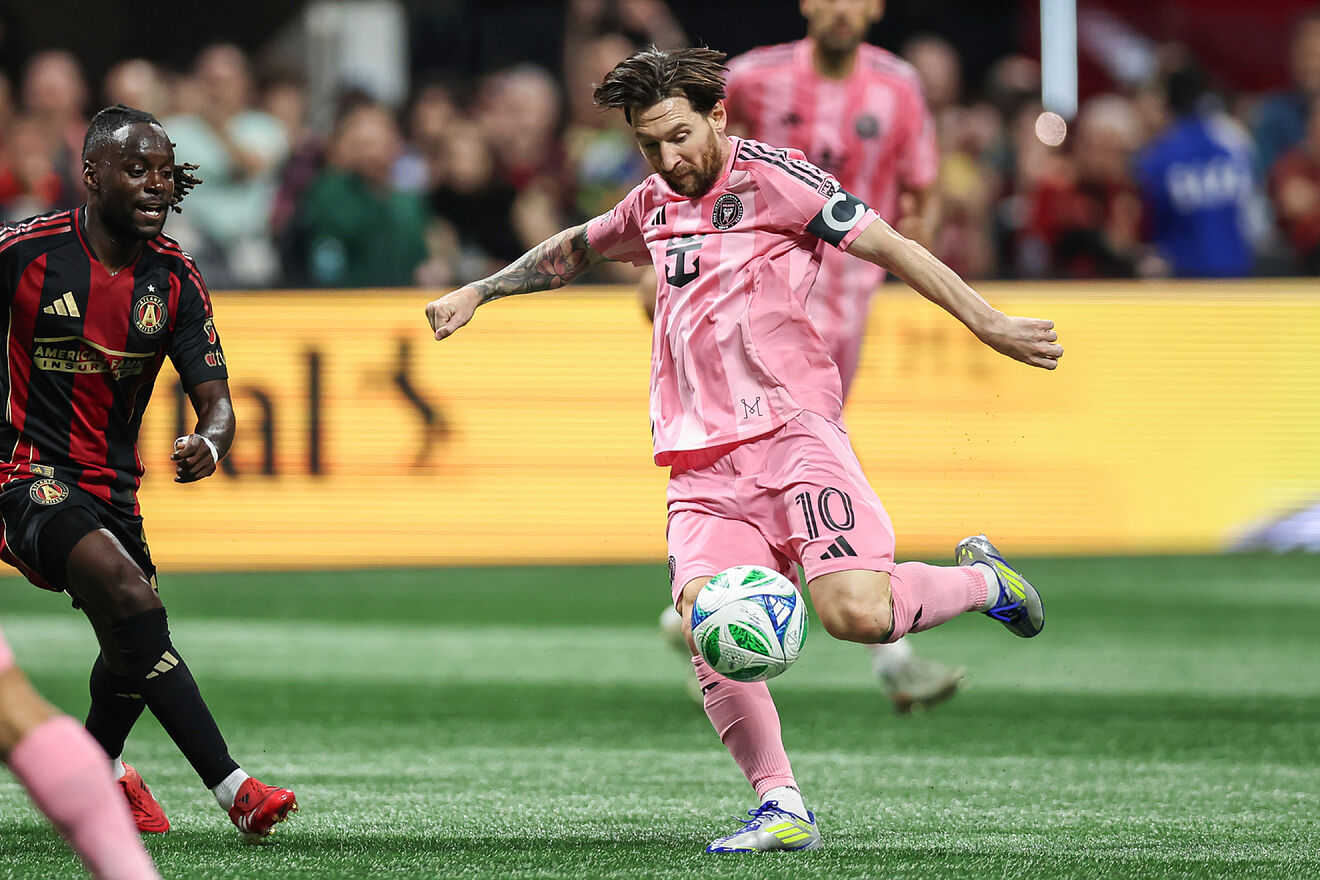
(6, 655)
(795, 496)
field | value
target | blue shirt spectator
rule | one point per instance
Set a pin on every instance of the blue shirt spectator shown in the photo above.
(1197, 184)
(1279, 122)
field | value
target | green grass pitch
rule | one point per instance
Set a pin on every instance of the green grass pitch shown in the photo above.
(528, 723)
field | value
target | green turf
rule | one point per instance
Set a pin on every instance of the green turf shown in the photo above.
(528, 723)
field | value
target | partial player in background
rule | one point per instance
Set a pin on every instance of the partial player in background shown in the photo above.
(96, 298)
(66, 775)
(746, 404)
(857, 112)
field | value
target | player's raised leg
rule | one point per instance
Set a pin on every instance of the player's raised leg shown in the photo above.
(136, 650)
(65, 773)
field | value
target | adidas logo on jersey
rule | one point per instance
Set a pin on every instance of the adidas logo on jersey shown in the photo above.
(839, 548)
(65, 305)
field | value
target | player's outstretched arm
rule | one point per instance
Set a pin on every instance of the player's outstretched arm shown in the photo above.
(1030, 340)
(196, 455)
(551, 264)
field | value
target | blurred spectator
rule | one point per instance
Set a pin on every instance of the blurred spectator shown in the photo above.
(355, 228)
(602, 153)
(55, 99)
(7, 108)
(1084, 208)
(306, 161)
(640, 22)
(284, 98)
(1280, 119)
(1295, 188)
(520, 109)
(938, 67)
(137, 83)
(478, 207)
(430, 113)
(1197, 183)
(29, 181)
(968, 186)
(239, 149)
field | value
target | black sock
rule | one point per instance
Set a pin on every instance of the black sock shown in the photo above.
(116, 706)
(171, 693)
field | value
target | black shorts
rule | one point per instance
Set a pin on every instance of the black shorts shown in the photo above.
(44, 519)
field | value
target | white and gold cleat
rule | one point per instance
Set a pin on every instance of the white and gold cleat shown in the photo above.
(770, 828)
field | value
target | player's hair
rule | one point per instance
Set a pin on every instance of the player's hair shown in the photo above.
(652, 75)
(101, 133)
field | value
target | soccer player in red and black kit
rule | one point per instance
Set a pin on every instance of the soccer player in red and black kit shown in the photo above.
(95, 299)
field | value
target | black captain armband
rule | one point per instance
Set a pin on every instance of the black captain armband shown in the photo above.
(841, 213)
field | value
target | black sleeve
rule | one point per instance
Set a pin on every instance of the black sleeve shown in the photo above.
(195, 349)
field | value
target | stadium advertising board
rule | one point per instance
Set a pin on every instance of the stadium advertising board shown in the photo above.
(1181, 415)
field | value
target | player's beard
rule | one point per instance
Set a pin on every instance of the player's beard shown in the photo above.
(697, 180)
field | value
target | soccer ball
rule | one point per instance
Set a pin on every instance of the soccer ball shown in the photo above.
(749, 623)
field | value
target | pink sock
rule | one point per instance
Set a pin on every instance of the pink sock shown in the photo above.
(68, 777)
(928, 595)
(748, 724)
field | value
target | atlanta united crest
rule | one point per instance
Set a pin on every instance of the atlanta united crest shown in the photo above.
(149, 315)
(48, 492)
(727, 212)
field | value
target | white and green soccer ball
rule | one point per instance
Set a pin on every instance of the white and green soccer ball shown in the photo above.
(749, 623)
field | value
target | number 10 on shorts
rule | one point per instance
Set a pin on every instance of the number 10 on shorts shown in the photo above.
(831, 507)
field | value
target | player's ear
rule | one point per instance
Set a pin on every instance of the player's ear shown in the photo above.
(89, 176)
(718, 116)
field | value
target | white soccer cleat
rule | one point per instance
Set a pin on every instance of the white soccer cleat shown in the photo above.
(770, 828)
(917, 681)
(671, 630)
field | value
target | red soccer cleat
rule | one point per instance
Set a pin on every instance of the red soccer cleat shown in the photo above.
(258, 807)
(147, 813)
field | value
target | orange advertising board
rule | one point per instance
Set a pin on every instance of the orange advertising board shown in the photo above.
(1180, 414)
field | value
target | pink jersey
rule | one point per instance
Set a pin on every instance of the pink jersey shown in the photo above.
(733, 353)
(871, 130)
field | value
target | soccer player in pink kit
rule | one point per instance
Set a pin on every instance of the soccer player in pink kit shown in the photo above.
(746, 404)
(858, 113)
(67, 776)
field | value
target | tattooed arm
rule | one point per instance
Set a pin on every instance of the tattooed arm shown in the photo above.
(551, 264)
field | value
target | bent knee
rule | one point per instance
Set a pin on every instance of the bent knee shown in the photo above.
(857, 620)
(119, 592)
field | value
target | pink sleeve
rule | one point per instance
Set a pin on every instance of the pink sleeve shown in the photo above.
(617, 234)
(802, 198)
(920, 164)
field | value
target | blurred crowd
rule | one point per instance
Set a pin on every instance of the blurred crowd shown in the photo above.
(1172, 176)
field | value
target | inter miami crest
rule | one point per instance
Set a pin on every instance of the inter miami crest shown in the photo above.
(866, 126)
(727, 212)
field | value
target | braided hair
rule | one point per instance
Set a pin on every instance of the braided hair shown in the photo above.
(101, 132)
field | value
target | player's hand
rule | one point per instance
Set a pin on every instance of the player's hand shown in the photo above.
(192, 459)
(452, 311)
(1030, 340)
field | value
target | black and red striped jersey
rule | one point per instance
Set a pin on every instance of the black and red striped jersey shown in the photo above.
(83, 348)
